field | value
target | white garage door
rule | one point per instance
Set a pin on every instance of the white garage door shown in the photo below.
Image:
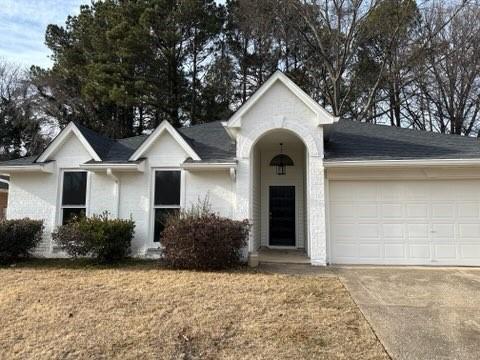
(405, 222)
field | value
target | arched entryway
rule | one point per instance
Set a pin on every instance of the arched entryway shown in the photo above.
(314, 185)
(278, 191)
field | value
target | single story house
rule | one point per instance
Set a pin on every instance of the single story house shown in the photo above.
(3, 196)
(345, 192)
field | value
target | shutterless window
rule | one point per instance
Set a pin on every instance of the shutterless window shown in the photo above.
(74, 195)
(166, 198)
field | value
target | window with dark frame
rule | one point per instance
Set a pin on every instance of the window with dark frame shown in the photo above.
(166, 198)
(74, 195)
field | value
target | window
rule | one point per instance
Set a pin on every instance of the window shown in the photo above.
(74, 195)
(166, 198)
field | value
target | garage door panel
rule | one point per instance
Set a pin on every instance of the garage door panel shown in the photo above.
(365, 193)
(421, 192)
(370, 251)
(443, 211)
(394, 251)
(390, 192)
(440, 231)
(470, 251)
(417, 231)
(405, 222)
(390, 211)
(343, 211)
(366, 211)
(346, 250)
(468, 210)
(368, 231)
(417, 211)
(419, 252)
(345, 230)
(392, 231)
(469, 231)
(445, 252)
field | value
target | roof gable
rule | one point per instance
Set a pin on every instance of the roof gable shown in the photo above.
(70, 129)
(322, 116)
(165, 126)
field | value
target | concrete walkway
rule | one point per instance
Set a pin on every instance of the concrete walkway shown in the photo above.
(419, 313)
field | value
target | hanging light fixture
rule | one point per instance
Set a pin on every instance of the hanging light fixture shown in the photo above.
(281, 161)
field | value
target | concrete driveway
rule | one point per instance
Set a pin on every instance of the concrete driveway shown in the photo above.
(420, 313)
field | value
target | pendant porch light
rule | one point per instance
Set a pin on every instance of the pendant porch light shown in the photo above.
(281, 161)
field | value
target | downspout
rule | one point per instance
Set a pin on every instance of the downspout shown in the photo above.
(116, 191)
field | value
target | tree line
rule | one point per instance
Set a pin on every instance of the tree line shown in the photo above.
(121, 67)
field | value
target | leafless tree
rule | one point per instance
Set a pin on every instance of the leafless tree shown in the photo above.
(448, 83)
(21, 121)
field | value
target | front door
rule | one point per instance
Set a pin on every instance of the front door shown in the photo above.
(282, 216)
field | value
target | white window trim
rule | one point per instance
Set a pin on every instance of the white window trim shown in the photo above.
(60, 205)
(153, 207)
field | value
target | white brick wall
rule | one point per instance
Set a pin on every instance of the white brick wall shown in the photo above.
(37, 195)
(279, 108)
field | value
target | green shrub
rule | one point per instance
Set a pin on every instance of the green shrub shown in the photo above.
(18, 238)
(200, 239)
(107, 240)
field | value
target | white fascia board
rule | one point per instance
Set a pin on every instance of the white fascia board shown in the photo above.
(209, 166)
(42, 168)
(136, 167)
(62, 137)
(323, 117)
(164, 126)
(232, 132)
(402, 163)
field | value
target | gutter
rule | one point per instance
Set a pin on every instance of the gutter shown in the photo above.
(37, 168)
(209, 166)
(122, 167)
(231, 167)
(401, 163)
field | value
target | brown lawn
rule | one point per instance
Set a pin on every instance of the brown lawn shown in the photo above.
(64, 310)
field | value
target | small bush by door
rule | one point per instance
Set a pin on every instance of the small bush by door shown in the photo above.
(18, 238)
(200, 239)
(107, 240)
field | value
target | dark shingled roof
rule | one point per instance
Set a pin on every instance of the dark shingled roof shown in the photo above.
(99, 143)
(29, 160)
(349, 140)
(210, 141)
(345, 140)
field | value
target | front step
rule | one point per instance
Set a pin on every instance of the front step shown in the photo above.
(276, 256)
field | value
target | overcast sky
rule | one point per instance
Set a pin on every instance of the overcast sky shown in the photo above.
(23, 24)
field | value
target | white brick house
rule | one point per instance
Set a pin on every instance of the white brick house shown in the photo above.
(353, 193)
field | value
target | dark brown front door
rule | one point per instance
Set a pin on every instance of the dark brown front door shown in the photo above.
(282, 215)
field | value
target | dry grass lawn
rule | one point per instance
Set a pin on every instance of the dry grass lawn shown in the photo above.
(57, 310)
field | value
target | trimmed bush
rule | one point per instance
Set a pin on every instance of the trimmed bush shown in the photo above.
(107, 240)
(18, 238)
(200, 239)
